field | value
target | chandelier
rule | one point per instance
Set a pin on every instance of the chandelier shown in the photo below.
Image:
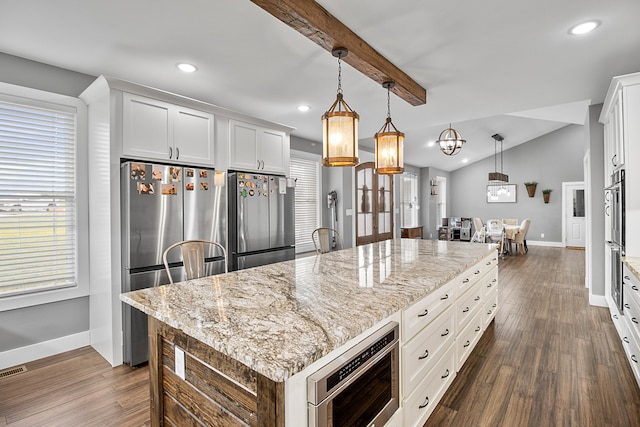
(340, 127)
(450, 141)
(389, 143)
(498, 181)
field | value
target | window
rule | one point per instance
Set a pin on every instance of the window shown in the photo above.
(442, 198)
(409, 200)
(38, 195)
(306, 172)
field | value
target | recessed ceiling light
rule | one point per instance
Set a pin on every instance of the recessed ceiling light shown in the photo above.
(431, 143)
(465, 160)
(187, 68)
(584, 28)
(303, 108)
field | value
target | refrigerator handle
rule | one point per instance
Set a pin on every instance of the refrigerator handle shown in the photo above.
(170, 152)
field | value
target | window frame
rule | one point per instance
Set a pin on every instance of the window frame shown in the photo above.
(414, 205)
(39, 98)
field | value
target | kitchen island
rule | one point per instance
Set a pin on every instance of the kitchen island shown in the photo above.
(262, 328)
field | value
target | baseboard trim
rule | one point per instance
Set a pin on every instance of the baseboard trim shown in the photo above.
(598, 300)
(542, 243)
(29, 353)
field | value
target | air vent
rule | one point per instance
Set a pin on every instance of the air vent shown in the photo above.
(12, 371)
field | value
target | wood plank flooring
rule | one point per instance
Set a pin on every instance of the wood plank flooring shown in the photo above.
(549, 359)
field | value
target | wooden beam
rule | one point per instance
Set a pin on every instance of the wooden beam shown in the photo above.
(317, 24)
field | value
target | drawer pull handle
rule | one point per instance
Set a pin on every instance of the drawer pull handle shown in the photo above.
(446, 374)
(477, 298)
(445, 333)
(494, 259)
(478, 329)
(627, 306)
(488, 262)
(465, 281)
(625, 339)
(489, 312)
(466, 344)
(426, 311)
(494, 305)
(627, 278)
(424, 405)
(446, 296)
(477, 272)
(494, 280)
(634, 320)
(634, 358)
(615, 316)
(465, 310)
(424, 356)
(489, 285)
(634, 287)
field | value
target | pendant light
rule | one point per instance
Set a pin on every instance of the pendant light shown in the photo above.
(340, 127)
(389, 143)
(450, 141)
(497, 180)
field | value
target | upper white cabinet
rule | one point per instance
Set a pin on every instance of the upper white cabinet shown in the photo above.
(158, 130)
(619, 115)
(256, 148)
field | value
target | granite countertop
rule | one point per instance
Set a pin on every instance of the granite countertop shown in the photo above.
(279, 318)
(634, 265)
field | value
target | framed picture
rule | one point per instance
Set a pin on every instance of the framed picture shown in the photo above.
(501, 193)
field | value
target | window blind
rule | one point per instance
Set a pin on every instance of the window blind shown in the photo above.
(37, 197)
(307, 175)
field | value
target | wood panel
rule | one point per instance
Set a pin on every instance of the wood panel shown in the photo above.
(318, 25)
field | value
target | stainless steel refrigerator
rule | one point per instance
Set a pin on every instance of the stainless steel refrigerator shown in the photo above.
(261, 220)
(162, 205)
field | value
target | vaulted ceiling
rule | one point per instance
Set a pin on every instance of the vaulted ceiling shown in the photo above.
(496, 66)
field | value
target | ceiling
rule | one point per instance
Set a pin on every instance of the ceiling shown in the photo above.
(496, 66)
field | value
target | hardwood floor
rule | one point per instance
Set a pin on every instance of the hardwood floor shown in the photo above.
(549, 359)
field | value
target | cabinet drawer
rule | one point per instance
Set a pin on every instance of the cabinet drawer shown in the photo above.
(424, 311)
(631, 311)
(631, 285)
(422, 352)
(467, 307)
(419, 405)
(632, 350)
(468, 339)
(490, 282)
(466, 280)
(490, 308)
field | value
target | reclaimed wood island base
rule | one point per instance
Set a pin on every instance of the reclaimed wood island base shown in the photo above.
(236, 349)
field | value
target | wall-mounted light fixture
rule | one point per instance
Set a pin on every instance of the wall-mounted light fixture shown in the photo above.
(389, 143)
(340, 127)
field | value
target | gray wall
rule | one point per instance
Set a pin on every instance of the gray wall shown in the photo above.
(549, 160)
(31, 325)
(594, 142)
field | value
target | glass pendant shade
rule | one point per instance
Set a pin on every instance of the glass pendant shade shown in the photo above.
(450, 141)
(340, 135)
(389, 149)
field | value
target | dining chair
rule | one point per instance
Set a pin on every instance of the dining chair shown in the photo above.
(495, 233)
(520, 239)
(322, 239)
(193, 257)
(479, 234)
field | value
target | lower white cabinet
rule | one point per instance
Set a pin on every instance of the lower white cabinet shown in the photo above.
(439, 333)
(631, 320)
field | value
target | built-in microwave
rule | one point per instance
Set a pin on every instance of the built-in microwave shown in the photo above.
(360, 387)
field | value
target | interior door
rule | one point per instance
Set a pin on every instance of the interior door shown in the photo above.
(575, 215)
(374, 202)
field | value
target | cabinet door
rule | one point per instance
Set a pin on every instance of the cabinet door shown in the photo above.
(147, 128)
(193, 136)
(618, 133)
(243, 146)
(273, 151)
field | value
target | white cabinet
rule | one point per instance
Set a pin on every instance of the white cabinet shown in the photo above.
(258, 149)
(439, 333)
(631, 329)
(614, 135)
(157, 130)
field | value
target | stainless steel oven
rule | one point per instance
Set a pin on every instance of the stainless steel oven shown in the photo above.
(615, 198)
(360, 387)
